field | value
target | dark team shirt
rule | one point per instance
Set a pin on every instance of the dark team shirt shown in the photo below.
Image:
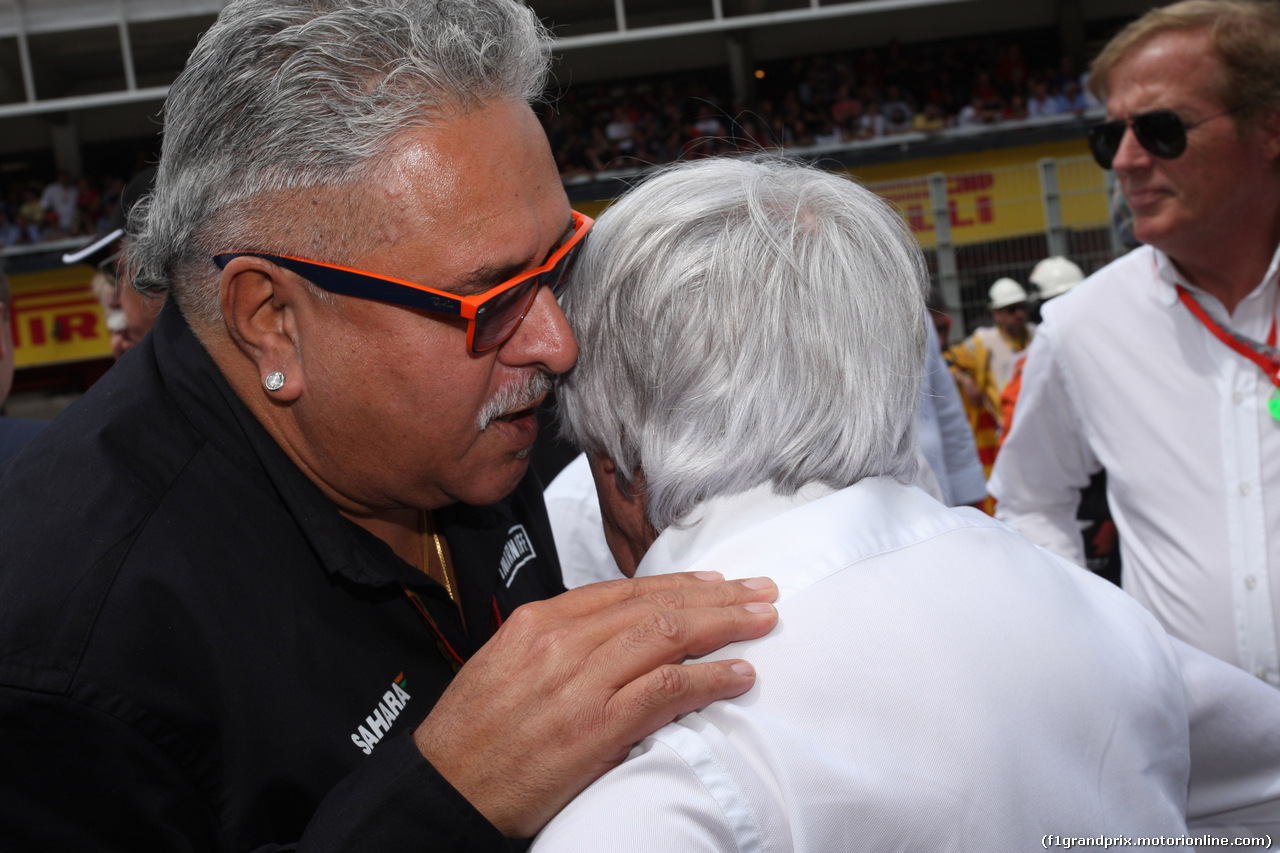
(197, 652)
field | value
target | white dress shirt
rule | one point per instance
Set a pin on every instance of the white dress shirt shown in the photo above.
(934, 683)
(1122, 376)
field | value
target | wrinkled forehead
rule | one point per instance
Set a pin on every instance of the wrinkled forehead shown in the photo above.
(1166, 70)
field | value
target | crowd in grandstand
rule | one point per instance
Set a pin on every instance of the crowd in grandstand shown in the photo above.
(829, 99)
(824, 100)
(34, 212)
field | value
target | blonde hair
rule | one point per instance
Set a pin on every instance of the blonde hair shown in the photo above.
(1245, 35)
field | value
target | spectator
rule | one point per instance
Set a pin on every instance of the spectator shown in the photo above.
(19, 232)
(845, 106)
(1052, 278)
(974, 113)
(895, 103)
(1071, 99)
(872, 125)
(828, 134)
(708, 122)
(31, 211)
(621, 132)
(60, 199)
(983, 364)
(1041, 103)
(88, 207)
(985, 360)
(931, 120)
(1015, 109)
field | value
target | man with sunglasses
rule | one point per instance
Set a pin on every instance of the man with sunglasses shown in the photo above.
(1161, 367)
(278, 580)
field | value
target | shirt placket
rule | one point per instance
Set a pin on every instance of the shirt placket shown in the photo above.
(1244, 407)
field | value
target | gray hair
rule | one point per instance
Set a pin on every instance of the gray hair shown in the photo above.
(745, 322)
(288, 95)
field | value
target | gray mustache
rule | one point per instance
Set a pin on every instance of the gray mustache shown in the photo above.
(514, 397)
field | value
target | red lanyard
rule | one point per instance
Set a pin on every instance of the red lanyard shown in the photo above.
(447, 650)
(1265, 355)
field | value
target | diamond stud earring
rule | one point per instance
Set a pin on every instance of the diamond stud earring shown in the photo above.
(274, 381)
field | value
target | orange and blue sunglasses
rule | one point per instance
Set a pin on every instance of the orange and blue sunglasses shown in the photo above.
(492, 316)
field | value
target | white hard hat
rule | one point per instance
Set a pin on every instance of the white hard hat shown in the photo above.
(1055, 276)
(1006, 292)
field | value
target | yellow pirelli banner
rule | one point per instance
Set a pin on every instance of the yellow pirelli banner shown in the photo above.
(994, 194)
(56, 317)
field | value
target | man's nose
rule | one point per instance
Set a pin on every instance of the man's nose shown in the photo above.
(1130, 155)
(544, 339)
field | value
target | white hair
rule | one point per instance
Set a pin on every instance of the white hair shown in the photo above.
(283, 95)
(745, 322)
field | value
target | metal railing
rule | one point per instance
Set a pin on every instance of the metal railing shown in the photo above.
(979, 226)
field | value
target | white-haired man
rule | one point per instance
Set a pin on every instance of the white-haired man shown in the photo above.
(239, 580)
(1162, 367)
(752, 338)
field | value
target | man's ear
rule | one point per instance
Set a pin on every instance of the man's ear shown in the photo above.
(259, 301)
(622, 510)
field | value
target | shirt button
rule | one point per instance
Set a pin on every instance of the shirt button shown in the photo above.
(1261, 672)
(1250, 581)
(1237, 398)
(1244, 489)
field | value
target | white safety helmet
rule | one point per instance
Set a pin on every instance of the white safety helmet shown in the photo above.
(1055, 276)
(1006, 292)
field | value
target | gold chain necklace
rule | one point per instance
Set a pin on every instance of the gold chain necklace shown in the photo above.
(429, 534)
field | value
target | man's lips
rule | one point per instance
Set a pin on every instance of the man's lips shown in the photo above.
(1143, 196)
(516, 414)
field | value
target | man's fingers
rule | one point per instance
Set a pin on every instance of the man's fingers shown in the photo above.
(597, 618)
(653, 700)
(599, 596)
(665, 637)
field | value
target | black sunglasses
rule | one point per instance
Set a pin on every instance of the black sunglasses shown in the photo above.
(1161, 132)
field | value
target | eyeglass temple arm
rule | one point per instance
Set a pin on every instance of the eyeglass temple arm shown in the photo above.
(348, 283)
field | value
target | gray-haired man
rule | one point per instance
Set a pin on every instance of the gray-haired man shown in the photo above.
(238, 579)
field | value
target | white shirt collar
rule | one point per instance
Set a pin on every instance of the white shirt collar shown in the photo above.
(1168, 277)
(719, 519)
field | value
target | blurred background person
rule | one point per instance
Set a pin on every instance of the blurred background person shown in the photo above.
(130, 314)
(1052, 278)
(983, 363)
